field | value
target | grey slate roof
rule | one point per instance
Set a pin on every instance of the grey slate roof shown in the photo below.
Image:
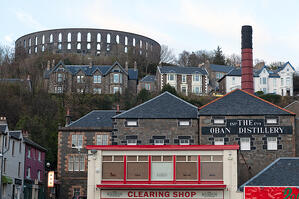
(31, 143)
(221, 68)
(283, 66)
(95, 119)
(148, 78)
(182, 70)
(238, 72)
(89, 71)
(239, 102)
(15, 134)
(2, 128)
(281, 172)
(164, 106)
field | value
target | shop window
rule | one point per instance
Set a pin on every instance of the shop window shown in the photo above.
(272, 143)
(69, 37)
(131, 142)
(271, 121)
(76, 163)
(184, 123)
(186, 168)
(158, 142)
(77, 141)
(102, 139)
(88, 37)
(211, 167)
(97, 79)
(184, 142)
(137, 167)
(131, 123)
(245, 144)
(218, 141)
(99, 37)
(162, 168)
(113, 168)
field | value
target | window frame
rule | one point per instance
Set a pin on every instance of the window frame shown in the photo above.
(246, 146)
(183, 142)
(184, 123)
(100, 137)
(131, 123)
(75, 137)
(220, 141)
(97, 79)
(159, 142)
(130, 142)
(272, 145)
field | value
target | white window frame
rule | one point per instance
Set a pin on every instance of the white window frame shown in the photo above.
(97, 79)
(131, 123)
(218, 140)
(272, 143)
(102, 139)
(245, 144)
(196, 78)
(77, 141)
(184, 123)
(116, 78)
(271, 121)
(131, 142)
(171, 77)
(158, 141)
(116, 89)
(80, 78)
(147, 86)
(184, 141)
(218, 121)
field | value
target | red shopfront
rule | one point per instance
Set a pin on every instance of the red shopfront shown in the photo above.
(162, 171)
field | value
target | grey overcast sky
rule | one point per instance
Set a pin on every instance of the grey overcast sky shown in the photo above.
(181, 24)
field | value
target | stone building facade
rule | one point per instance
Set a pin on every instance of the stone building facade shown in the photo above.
(163, 120)
(186, 80)
(264, 131)
(87, 41)
(95, 79)
(92, 129)
(148, 83)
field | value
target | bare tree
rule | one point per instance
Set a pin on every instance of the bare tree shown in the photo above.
(167, 55)
(233, 60)
(183, 58)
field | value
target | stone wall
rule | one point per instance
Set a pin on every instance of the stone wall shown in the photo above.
(253, 161)
(150, 129)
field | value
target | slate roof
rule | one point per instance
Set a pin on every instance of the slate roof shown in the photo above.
(148, 78)
(283, 66)
(15, 134)
(221, 68)
(2, 128)
(89, 71)
(239, 102)
(164, 106)
(281, 172)
(182, 70)
(238, 72)
(31, 143)
(95, 119)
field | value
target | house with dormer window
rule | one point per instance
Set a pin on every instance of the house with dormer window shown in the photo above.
(97, 79)
(279, 81)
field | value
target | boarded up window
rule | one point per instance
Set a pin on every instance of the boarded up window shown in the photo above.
(211, 167)
(113, 168)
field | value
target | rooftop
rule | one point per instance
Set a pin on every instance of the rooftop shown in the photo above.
(221, 68)
(148, 78)
(182, 70)
(31, 143)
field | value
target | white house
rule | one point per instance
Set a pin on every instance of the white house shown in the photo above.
(279, 81)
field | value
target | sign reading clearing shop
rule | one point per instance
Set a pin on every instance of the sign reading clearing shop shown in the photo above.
(246, 126)
(194, 194)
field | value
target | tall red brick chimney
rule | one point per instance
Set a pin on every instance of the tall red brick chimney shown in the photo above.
(247, 65)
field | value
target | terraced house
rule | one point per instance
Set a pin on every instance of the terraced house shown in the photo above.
(92, 129)
(186, 80)
(97, 79)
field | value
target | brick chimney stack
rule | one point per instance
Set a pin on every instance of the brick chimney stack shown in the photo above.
(247, 65)
(67, 117)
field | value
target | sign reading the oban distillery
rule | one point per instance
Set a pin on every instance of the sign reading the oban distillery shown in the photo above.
(246, 126)
(162, 194)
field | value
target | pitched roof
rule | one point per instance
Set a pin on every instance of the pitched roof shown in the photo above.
(182, 70)
(281, 172)
(89, 71)
(239, 102)
(15, 134)
(283, 66)
(31, 143)
(221, 68)
(148, 78)
(164, 106)
(238, 72)
(95, 119)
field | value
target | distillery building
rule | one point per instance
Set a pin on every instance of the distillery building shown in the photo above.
(95, 42)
